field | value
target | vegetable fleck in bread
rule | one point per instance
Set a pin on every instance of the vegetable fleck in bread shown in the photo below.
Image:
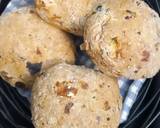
(69, 15)
(29, 45)
(68, 96)
(123, 39)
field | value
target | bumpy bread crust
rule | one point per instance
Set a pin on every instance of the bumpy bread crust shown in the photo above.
(29, 45)
(69, 15)
(75, 97)
(123, 39)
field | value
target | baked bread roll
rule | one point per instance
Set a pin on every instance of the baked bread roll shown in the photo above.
(29, 45)
(68, 96)
(69, 15)
(123, 39)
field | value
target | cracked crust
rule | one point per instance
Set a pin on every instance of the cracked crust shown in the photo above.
(68, 96)
(69, 15)
(29, 45)
(123, 39)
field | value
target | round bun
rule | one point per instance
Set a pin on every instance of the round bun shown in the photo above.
(29, 45)
(68, 96)
(123, 39)
(69, 15)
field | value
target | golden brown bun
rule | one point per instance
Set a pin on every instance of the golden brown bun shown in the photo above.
(69, 15)
(68, 96)
(29, 45)
(123, 39)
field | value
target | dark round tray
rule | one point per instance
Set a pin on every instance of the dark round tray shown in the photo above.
(145, 113)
